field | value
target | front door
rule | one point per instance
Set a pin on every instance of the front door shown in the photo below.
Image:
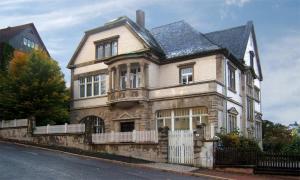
(127, 126)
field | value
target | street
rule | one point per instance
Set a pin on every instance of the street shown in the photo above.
(25, 162)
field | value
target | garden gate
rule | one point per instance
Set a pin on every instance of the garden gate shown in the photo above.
(181, 147)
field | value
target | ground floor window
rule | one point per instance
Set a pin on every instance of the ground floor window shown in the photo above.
(95, 123)
(127, 126)
(258, 130)
(182, 119)
(232, 122)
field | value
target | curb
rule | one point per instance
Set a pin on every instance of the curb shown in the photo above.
(118, 162)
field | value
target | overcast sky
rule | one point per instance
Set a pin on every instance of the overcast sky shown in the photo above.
(61, 24)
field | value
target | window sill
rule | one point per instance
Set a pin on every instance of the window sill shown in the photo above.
(90, 97)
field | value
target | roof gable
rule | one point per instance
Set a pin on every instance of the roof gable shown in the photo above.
(10, 32)
(141, 33)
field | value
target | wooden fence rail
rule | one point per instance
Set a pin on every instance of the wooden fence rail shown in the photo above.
(13, 123)
(121, 137)
(58, 129)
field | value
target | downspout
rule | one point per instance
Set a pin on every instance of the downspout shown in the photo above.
(225, 81)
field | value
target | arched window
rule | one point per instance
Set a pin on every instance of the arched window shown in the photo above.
(95, 123)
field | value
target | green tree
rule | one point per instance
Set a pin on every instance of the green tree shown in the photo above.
(6, 54)
(36, 88)
(275, 136)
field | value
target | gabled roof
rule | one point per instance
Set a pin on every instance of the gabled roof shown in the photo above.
(180, 39)
(141, 32)
(7, 33)
(235, 41)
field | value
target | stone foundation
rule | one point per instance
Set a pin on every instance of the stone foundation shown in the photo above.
(152, 152)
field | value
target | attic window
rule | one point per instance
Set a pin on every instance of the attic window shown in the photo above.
(106, 48)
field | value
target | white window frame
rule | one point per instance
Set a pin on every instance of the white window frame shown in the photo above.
(186, 75)
(172, 117)
(135, 77)
(101, 80)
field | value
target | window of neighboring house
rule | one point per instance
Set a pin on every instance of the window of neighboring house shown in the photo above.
(135, 77)
(249, 109)
(106, 49)
(123, 78)
(82, 87)
(186, 75)
(232, 122)
(29, 43)
(231, 77)
(92, 85)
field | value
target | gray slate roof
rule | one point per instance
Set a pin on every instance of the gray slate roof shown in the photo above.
(233, 39)
(180, 39)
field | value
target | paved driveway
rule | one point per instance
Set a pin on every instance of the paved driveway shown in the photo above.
(20, 162)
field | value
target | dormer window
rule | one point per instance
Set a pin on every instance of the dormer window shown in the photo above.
(106, 48)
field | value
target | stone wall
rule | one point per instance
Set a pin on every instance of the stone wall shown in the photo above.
(151, 151)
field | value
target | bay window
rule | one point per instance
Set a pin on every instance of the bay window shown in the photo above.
(135, 76)
(123, 78)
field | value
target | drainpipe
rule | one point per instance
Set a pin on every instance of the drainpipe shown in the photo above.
(225, 80)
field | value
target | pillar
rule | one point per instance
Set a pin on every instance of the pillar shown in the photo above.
(110, 79)
(128, 76)
(142, 67)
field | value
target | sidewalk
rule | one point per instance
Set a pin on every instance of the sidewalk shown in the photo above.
(214, 174)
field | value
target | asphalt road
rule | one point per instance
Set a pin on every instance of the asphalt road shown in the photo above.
(25, 162)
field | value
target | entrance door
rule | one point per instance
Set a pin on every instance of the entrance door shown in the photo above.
(181, 147)
(127, 126)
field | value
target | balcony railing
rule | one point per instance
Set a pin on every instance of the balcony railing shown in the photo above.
(128, 95)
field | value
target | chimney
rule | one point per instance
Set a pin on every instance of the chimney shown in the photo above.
(140, 18)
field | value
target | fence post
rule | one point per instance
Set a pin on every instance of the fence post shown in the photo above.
(2, 123)
(15, 123)
(134, 135)
(66, 127)
(47, 129)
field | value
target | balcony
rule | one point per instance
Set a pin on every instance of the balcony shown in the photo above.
(128, 96)
(127, 84)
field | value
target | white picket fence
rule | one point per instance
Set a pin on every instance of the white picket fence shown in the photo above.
(119, 137)
(58, 129)
(13, 123)
(181, 147)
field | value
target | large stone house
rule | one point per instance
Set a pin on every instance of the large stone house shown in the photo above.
(125, 77)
